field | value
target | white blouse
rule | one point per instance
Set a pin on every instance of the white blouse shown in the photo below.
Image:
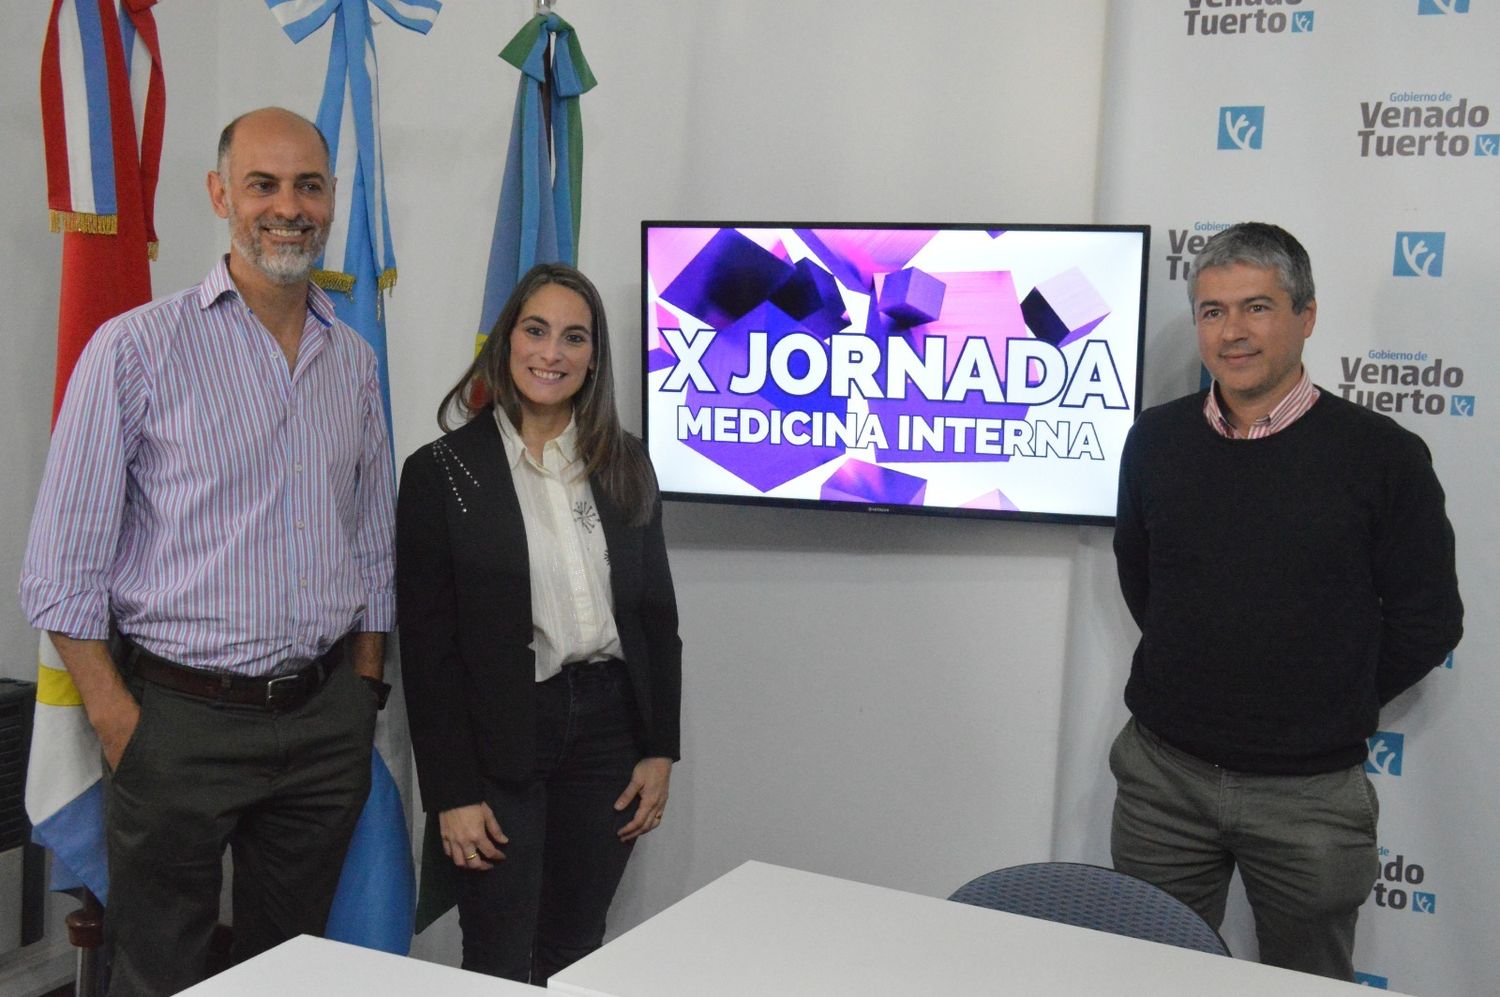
(572, 606)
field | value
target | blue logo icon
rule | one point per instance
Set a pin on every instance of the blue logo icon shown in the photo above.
(1424, 903)
(1442, 6)
(1487, 145)
(1302, 21)
(1241, 127)
(1419, 254)
(1461, 405)
(1371, 980)
(1385, 750)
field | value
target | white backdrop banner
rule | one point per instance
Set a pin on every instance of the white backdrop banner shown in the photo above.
(1370, 130)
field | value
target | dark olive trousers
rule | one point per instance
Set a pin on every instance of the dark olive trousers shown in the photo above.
(1304, 845)
(281, 790)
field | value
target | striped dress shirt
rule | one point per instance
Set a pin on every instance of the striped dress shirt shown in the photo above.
(572, 604)
(232, 514)
(1287, 411)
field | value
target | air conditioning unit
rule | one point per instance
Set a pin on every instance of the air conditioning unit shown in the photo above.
(21, 862)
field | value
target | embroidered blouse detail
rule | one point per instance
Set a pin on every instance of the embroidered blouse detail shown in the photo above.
(586, 516)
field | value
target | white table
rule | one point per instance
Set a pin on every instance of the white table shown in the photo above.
(766, 930)
(316, 967)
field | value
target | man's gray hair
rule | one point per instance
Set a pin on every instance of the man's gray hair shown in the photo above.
(1259, 245)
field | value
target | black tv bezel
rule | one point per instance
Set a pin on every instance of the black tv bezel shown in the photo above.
(947, 512)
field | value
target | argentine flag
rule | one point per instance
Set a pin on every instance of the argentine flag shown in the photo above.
(377, 892)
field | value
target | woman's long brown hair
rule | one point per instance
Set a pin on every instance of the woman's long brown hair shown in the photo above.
(615, 460)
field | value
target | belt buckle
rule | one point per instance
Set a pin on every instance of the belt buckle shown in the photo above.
(292, 684)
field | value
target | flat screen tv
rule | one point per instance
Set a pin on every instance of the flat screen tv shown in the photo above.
(962, 370)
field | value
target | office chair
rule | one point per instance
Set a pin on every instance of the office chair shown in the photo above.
(1092, 896)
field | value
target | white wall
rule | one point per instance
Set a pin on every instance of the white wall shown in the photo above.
(28, 337)
(29, 258)
(878, 698)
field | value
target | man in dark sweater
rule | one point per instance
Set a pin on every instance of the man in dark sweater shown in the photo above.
(1288, 560)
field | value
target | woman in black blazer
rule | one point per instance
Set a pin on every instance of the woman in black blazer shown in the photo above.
(539, 646)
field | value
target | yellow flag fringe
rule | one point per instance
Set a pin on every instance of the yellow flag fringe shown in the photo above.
(81, 221)
(333, 280)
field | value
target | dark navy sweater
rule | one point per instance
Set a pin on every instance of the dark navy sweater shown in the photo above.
(1286, 587)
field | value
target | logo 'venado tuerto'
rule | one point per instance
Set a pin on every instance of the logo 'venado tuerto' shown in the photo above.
(1183, 244)
(1396, 887)
(1211, 19)
(1404, 382)
(1242, 128)
(1407, 124)
(1419, 254)
(1385, 750)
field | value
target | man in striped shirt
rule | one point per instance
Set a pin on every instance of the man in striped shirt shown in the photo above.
(1288, 558)
(219, 492)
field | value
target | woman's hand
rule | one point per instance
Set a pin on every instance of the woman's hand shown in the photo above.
(472, 836)
(649, 782)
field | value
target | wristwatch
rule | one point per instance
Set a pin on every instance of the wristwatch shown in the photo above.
(381, 689)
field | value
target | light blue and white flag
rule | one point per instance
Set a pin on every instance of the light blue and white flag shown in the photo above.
(377, 891)
(359, 260)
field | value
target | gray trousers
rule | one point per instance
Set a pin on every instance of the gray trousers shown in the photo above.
(283, 791)
(1305, 846)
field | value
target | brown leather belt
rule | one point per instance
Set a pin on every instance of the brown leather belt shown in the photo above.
(278, 693)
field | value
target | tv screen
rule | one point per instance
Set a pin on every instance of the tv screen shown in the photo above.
(965, 370)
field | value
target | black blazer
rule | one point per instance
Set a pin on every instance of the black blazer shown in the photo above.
(463, 590)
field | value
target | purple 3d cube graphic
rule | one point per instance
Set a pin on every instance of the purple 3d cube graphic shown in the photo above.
(730, 276)
(976, 304)
(861, 481)
(1064, 308)
(855, 256)
(911, 297)
(811, 296)
(993, 501)
(671, 249)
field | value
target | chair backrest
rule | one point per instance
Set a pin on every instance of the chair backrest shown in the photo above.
(1092, 896)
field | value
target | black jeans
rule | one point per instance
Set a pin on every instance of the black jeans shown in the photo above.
(542, 907)
(282, 790)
